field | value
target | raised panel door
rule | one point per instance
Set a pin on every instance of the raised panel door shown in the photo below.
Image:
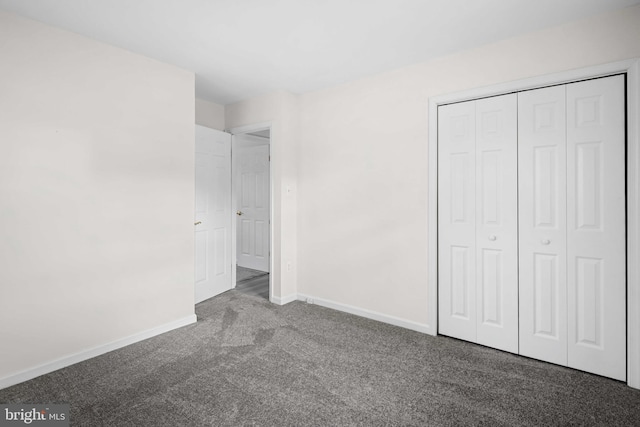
(496, 222)
(596, 244)
(456, 223)
(542, 224)
(251, 165)
(212, 213)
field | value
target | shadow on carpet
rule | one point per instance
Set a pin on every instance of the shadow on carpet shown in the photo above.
(249, 362)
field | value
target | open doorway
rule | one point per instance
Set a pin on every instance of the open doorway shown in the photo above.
(251, 198)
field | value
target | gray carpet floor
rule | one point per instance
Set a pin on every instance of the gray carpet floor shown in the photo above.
(249, 362)
(258, 286)
(243, 273)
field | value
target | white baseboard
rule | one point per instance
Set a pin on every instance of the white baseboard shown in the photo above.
(284, 300)
(93, 352)
(385, 318)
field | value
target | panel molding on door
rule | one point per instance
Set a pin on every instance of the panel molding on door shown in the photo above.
(212, 213)
(497, 222)
(478, 281)
(456, 212)
(251, 165)
(537, 242)
(542, 224)
(627, 73)
(596, 242)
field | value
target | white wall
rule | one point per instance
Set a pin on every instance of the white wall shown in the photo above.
(96, 195)
(281, 110)
(209, 114)
(362, 175)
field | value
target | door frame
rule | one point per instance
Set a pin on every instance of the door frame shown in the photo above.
(631, 68)
(234, 228)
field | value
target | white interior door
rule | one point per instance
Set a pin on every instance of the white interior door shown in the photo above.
(572, 225)
(543, 225)
(596, 226)
(531, 224)
(497, 222)
(457, 220)
(212, 213)
(251, 165)
(477, 222)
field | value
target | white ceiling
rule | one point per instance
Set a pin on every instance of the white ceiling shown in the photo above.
(244, 48)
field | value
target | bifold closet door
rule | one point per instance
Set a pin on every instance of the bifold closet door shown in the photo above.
(497, 222)
(596, 245)
(477, 217)
(572, 225)
(457, 220)
(542, 185)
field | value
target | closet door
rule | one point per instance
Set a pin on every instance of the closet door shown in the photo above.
(596, 226)
(531, 214)
(542, 228)
(456, 221)
(497, 222)
(477, 219)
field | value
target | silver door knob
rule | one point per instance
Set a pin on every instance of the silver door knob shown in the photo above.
(197, 223)
(492, 237)
(546, 241)
(239, 213)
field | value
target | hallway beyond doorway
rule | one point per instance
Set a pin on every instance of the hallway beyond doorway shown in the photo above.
(252, 282)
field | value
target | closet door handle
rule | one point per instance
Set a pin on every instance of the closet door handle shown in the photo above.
(492, 237)
(545, 241)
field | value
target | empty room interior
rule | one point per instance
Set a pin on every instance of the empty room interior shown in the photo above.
(302, 212)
